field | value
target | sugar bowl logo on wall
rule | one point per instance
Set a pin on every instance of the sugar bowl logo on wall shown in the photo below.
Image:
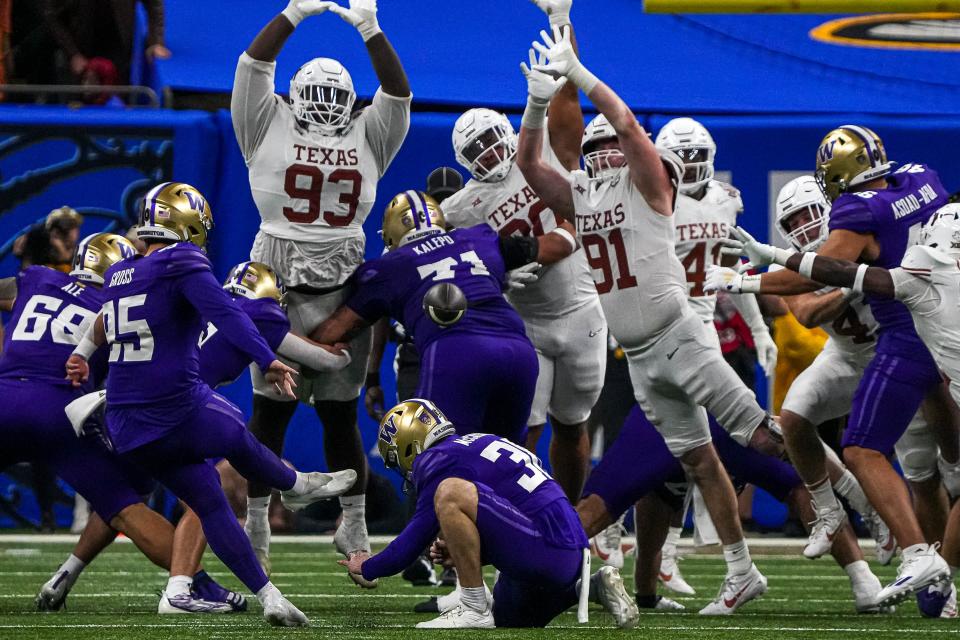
(934, 31)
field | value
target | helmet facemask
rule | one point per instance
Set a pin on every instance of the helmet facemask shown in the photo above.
(697, 167)
(805, 227)
(326, 109)
(603, 162)
(489, 156)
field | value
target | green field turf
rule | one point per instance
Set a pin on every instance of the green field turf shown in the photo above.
(116, 598)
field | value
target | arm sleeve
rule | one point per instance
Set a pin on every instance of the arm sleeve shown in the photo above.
(519, 250)
(215, 305)
(252, 103)
(386, 121)
(306, 353)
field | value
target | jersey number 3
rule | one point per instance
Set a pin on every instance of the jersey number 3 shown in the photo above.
(293, 185)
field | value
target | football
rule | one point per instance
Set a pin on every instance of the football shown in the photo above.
(445, 304)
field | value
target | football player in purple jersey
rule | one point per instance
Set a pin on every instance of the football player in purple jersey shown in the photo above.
(876, 213)
(160, 415)
(491, 503)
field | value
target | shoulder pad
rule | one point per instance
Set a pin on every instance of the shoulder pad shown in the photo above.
(183, 258)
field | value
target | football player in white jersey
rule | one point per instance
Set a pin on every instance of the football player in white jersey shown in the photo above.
(561, 311)
(928, 283)
(314, 166)
(622, 207)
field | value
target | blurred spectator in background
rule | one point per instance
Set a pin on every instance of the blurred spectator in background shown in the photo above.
(736, 341)
(51, 242)
(88, 29)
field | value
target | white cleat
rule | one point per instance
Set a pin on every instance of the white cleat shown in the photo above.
(186, 603)
(320, 486)
(886, 544)
(666, 604)
(950, 609)
(737, 591)
(461, 617)
(608, 546)
(606, 586)
(865, 596)
(824, 530)
(281, 613)
(918, 569)
(670, 575)
(53, 593)
(351, 539)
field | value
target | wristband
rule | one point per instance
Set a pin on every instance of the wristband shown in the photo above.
(85, 348)
(294, 15)
(750, 284)
(372, 379)
(780, 256)
(566, 235)
(535, 115)
(559, 18)
(806, 265)
(583, 79)
(858, 279)
(368, 29)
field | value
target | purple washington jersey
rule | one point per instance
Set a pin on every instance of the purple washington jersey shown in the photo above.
(496, 466)
(394, 285)
(220, 361)
(154, 311)
(893, 216)
(51, 313)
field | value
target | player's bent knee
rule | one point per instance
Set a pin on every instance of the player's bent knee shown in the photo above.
(860, 457)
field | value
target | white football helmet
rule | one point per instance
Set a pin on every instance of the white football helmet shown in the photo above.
(485, 143)
(322, 96)
(942, 231)
(693, 143)
(803, 213)
(600, 163)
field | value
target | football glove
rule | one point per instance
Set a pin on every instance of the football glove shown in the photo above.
(730, 281)
(757, 253)
(541, 86)
(558, 11)
(766, 351)
(297, 10)
(563, 59)
(362, 14)
(520, 277)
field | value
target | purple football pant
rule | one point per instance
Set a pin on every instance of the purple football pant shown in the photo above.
(34, 427)
(537, 578)
(639, 462)
(182, 461)
(484, 384)
(893, 385)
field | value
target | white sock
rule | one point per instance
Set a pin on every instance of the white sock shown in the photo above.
(859, 572)
(178, 585)
(823, 496)
(474, 598)
(300, 484)
(848, 487)
(260, 503)
(73, 566)
(738, 558)
(354, 508)
(673, 537)
(268, 593)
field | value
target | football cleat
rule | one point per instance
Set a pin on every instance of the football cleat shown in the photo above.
(823, 530)
(886, 544)
(281, 613)
(865, 596)
(662, 604)
(737, 590)
(606, 587)
(206, 588)
(187, 603)
(461, 617)
(421, 573)
(351, 539)
(608, 547)
(919, 568)
(429, 605)
(53, 593)
(938, 600)
(448, 601)
(320, 486)
(670, 575)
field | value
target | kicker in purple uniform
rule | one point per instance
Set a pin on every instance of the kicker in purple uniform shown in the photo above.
(482, 370)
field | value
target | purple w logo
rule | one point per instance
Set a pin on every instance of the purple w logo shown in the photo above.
(825, 152)
(195, 201)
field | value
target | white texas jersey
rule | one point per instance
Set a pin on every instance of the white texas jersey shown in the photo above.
(309, 187)
(700, 226)
(928, 283)
(630, 248)
(512, 208)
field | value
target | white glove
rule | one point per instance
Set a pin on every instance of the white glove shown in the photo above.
(742, 243)
(541, 86)
(362, 14)
(558, 11)
(520, 277)
(563, 59)
(766, 351)
(729, 280)
(297, 10)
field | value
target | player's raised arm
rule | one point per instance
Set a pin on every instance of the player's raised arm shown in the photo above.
(566, 117)
(552, 187)
(647, 169)
(362, 15)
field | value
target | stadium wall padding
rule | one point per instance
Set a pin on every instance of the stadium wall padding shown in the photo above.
(757, 151)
